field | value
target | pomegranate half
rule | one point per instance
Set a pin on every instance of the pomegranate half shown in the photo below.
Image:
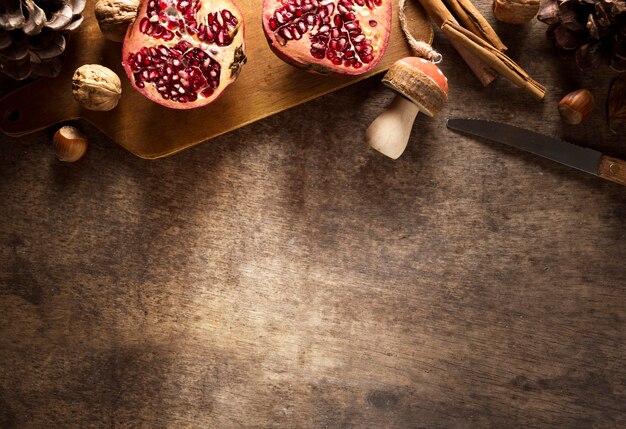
(325, 36)
(184, 53)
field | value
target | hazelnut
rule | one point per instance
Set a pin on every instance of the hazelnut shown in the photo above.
(576, 106)
(69, 144)
(96, 87)
(114, 17)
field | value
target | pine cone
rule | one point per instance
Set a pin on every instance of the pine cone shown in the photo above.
(33, 35)
(592, 30)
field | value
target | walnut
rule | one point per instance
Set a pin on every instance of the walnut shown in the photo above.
(96, 87)
(114, 17)
(515, 11)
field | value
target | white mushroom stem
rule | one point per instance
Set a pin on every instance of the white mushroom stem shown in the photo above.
(390, 131)
(420, 86)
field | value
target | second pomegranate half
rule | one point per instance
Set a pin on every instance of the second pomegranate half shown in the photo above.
(184, 53)
(326, 36)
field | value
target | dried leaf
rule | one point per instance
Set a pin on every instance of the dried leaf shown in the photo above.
(591, 56)
(568, 39)
(569, 17)
(617, 104)
(549, 12)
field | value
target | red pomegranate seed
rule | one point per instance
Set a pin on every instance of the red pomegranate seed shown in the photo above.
(319, 54)
(181, 73)
(144, 25)
(286, 34)
(335, 31)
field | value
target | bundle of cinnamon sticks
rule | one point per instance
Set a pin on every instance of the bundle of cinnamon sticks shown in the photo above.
(478, 44)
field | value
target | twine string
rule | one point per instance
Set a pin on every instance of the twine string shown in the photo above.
(421, 48)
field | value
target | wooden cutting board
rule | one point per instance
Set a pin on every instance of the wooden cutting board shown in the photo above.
(265, 86)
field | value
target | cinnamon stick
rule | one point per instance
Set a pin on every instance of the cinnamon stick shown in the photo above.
(494, 58)
(482, 71)
(440, 14)
(471, 18)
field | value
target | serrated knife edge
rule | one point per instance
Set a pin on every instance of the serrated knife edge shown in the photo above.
(569, 154)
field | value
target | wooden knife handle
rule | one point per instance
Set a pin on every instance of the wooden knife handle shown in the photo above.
(612, 169)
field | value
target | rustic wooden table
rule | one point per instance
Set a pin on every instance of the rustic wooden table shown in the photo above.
(284, 275)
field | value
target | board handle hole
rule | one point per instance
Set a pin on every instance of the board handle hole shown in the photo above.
(13, 115)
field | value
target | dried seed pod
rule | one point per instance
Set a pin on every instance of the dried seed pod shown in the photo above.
(515, 11)
(33, 35)
(576, 106)
(114, 17)
(96, 87)
(69, 144)
(593, 30)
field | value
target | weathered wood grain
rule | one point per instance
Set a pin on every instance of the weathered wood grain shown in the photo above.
(285, 276)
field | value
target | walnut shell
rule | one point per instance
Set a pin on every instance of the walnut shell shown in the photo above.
(515, 11)
(114, 17)
(96, 87)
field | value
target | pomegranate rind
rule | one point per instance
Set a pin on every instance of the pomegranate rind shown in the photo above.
(230, 57)
(299, 52)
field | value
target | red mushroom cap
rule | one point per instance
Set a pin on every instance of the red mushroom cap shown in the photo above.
(420, 81)
(430, 69)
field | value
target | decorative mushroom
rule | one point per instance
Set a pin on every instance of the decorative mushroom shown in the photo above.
(421, 86)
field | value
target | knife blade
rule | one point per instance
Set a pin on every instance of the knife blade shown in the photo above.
(588, 160)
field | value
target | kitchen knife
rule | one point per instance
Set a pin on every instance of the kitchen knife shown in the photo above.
(584, 159)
